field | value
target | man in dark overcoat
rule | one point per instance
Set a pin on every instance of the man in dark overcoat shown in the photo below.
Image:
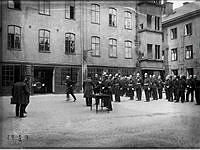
(117, 85)
(190, 89)
(146, 87)
(70, 88)
(20, 95)
(88, 89)
(154, 84)
(138, 86)
(160, 87)
(197, 89)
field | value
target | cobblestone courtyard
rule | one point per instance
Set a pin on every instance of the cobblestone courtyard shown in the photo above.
(53, 122)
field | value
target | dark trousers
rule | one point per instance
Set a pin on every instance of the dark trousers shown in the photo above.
(160, 93)
(20, 108)
(117, 97)
(147, 94)
(88, 101)
(170, 95)
(139, 93)
(154, 94)
(107, 103)
(190, 91)
(72, 94)
(176, 94)
(197, 96)
(182, 95)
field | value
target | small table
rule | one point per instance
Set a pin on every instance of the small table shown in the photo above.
(98, 97)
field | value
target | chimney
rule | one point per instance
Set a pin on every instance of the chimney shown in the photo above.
(168, 8)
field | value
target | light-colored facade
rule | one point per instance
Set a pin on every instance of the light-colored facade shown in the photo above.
(50, 40)
(181, 33)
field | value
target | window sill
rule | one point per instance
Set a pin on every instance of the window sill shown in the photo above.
(128, 58)
(44, 51)
(112, 56)
(95, 23)
(188, 58)
(127, 28)
(44, 14)
(95, 55)
(188, 35)
(73, 19)
(70, 54)
(112, 26)
(14, 49)
(174, 39)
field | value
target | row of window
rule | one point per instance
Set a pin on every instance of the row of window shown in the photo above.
(188, 53)
(44, 9)
(14, 42)
(187, 31)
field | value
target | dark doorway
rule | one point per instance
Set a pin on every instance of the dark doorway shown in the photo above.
(43, 80)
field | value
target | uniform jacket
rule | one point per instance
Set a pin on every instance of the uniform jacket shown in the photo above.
(88, 88)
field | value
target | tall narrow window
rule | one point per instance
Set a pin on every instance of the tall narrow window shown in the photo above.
(157, 51)
(95, 46)
(149, 51)
(149, 17)
(157, 23)
(173, 33)
(189, 52)
(69, 43)
(174, 54)
(113, 47)
(44, 7)
(14, 37)
(95, 14)
(70, 9)
(188, 29)
(128, 20)
(44, 40)
(112, 17)
(128, 49)
(15, 4)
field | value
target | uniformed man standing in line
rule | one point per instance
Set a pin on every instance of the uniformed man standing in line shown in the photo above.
(138, 86)
(130, 88)
(146, 87)
(160, 87)
(182, 87)
(117, 86)
(154, 85)
(169, 88)
(197, 89)
(176, 87)
(190, 89)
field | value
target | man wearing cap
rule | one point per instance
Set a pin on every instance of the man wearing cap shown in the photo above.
(138, 86)
(69, 88)
(146, 87)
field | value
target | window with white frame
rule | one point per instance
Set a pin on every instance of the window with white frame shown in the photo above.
(95, 42)
(157, 51)
(173, 33)
(69, 43)
(128, 20)
(174, 54)
(95, 13)
(112, 17)
(70, 9)
(44, 7)
(188, 29)
(44, 40)
(128, 49)
(14, 4)
(14, 37)
(112, 47)
(189, 52)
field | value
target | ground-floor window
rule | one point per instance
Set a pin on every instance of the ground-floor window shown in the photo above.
(70, 71)
(190, 71)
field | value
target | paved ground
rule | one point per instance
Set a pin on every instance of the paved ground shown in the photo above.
(53, 122)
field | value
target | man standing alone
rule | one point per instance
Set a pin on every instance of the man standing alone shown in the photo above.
(20, 94)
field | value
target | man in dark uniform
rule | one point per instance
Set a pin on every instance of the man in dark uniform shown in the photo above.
(176, 88)
(146, 87)
(117, 86)
(96, 84)
(182, 87)
(190, 89)
(169, 88)
(160, 87)
(20, 95)
(197, 89)
(130, 87)
(88, 87)
(154, 84)
(70, 88)
(138, 86)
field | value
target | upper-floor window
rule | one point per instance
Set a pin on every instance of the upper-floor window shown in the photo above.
(157, 51)
(188, 29)
(70, 9)
(112, 17)
(149, 51)
(173, 33)
(149, 20)
(157, 23)
(174, 54)
(128, 20)
(189, 52)
(95, 42)
(69, 43)
(112, 47)
(14, 37)
(44, 40)
(44, 7)
(95, 13)
(15, 4)
(128, 49)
